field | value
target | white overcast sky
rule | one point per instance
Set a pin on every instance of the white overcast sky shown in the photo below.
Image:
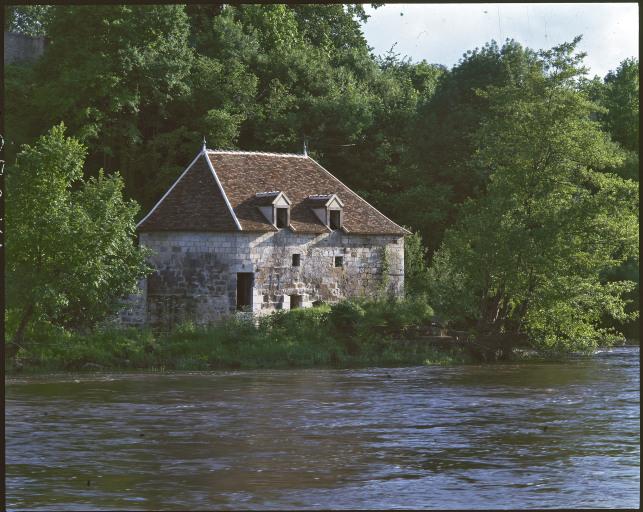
(441, 33)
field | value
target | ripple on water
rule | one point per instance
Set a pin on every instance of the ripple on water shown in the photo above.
(497, 436)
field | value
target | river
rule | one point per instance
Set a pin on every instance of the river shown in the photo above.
(480, 436)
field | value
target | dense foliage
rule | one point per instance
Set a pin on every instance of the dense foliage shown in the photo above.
(141, 85)
(30, 20)
(70, 246)
(529, 256)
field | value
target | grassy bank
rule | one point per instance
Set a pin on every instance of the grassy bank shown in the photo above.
(349, 334)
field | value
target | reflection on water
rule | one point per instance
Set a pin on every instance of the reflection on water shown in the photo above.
(489, 436)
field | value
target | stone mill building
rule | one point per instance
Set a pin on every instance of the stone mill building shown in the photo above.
(258, 232)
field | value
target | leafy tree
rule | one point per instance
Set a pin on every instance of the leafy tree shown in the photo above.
(444, 130)
(30, 20)
(201, 16)
(415, 267)
(303, 88)
(530, 255)
(22, 121)
(621, 99)
(110, 73)
(70, 246)
(334, 28)
(618, 96)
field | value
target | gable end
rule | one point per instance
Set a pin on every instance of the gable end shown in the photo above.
(196, 201)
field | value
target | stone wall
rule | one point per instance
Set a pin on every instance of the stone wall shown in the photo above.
(134, 307)
(196, 273)
(21, 48)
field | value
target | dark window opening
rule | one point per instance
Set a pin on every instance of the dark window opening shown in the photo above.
(295, 301)
(335, 217)
(282, 217)
(296, 259)
(339, 261)
(244, 290)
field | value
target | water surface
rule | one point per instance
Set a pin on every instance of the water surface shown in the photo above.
(488, 436)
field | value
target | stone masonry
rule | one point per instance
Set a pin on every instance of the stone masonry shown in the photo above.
(23, 48)
(196, 272)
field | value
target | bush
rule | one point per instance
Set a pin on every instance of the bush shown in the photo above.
(344, 316)
(347, 334)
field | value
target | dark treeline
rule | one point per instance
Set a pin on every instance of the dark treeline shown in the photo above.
(141, 86)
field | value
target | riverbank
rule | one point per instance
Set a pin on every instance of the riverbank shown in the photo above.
(345, 336)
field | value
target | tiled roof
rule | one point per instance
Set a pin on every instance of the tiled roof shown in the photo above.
(242, 175)
(194, 203)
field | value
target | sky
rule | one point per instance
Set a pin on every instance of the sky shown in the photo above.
(441, 33)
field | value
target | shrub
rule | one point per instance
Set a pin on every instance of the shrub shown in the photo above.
(347, 334)
(344, 316)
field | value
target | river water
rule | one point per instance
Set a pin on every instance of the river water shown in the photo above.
(482, 436)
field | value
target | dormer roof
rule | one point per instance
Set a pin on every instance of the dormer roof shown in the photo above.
(325, 199)
(274, 197)
(221, 191)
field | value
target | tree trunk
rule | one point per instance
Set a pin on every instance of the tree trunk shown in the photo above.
(14, 345)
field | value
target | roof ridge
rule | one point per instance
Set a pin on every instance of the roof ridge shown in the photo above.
(265, 153)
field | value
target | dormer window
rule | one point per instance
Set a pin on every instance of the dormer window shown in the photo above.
(275, 207)
(329, 210)
(335, 219)
(282, 217)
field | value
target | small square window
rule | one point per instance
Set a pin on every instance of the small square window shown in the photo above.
(282, 217)
(339, 261)
(296, 260)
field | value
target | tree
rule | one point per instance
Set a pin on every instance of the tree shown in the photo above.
(111, 73)
(70, 242)
(31, 20)
(529, 256)
(334, 28)
(619, 95)
(442, 138)
(415, 267)
(621, 99)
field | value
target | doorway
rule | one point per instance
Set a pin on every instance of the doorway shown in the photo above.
(244, 291)
(295, 301)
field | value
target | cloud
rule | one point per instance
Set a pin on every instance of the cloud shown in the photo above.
(442, 33)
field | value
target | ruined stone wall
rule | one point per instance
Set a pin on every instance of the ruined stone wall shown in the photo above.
(23, 48)
(196, 273)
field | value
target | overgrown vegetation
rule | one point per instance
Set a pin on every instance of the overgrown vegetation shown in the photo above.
(348, 334)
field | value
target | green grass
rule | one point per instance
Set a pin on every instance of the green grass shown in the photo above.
(349, 334)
